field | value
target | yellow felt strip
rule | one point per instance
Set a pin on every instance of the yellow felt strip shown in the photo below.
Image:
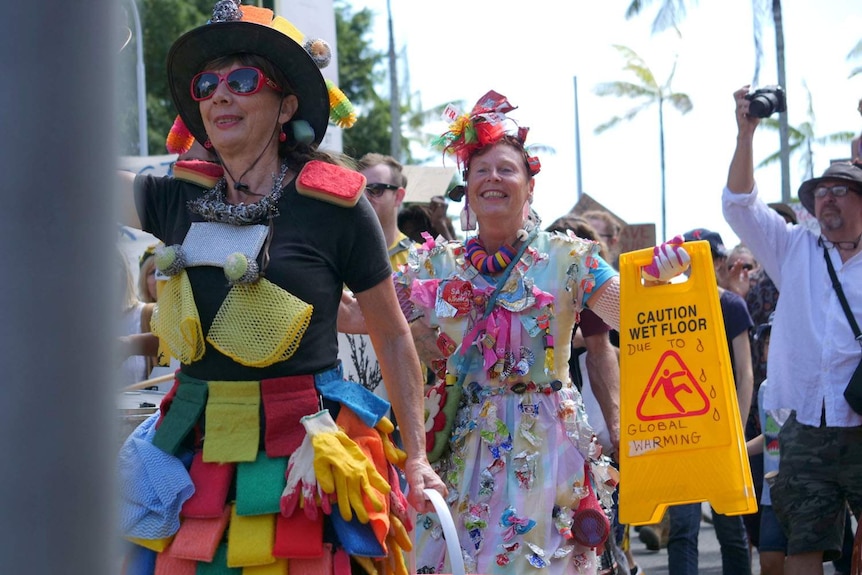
(232, 421)
(250, 540)
(157, 545)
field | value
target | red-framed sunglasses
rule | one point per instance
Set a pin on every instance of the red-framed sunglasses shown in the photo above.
(243, 81)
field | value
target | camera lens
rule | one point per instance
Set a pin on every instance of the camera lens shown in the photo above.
(766, 101)
(762, 105)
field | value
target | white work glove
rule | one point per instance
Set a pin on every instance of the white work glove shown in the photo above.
(302, 489)
(669, 260)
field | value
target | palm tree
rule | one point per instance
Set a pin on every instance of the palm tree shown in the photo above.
(648, 92)
(802, 139)
(855, 54)
(671, 13)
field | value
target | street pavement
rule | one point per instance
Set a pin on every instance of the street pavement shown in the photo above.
(709, 555)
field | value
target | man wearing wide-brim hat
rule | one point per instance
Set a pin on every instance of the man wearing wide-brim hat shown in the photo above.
(813, 352)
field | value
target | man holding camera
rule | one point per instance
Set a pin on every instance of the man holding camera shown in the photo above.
(813, 353)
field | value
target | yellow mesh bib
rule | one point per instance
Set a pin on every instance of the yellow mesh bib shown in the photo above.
(176, 321)
(259, 324)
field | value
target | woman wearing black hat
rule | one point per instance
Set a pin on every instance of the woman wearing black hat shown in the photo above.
(287, 462)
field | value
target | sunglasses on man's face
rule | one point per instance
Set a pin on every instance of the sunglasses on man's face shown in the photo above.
(376, 190)
(243, 81)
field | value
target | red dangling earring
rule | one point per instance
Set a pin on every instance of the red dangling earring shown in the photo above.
(282, 137)
(208, 145)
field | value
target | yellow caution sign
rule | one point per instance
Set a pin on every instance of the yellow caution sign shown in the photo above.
(681, 437)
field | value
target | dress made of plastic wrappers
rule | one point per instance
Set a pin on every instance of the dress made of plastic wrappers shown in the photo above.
(522, 464)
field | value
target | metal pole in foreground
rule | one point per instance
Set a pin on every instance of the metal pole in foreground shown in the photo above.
(578, 141)
(143, 145)
(57, 171)
(394, 95)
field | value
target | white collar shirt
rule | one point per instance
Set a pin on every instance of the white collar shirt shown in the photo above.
(812, 349)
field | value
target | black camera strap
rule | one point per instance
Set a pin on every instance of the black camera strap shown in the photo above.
(841, 297)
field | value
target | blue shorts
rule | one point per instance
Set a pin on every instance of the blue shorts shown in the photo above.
(772, 536)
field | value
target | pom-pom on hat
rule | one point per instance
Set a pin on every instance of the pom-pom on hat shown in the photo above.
(483, 126)
(243, 29)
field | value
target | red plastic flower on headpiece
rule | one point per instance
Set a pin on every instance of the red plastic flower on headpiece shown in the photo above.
(489, 132)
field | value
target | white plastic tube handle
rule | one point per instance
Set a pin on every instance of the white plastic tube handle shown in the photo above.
(453, 546)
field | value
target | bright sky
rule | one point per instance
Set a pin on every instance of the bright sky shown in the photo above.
(530, 52)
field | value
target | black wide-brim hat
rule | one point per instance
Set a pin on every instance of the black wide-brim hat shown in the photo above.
(840, 171)
(195, 48)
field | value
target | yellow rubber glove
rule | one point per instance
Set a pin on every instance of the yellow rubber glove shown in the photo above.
(342, 468)
(397, 543)
(367, 563)
(393, 454)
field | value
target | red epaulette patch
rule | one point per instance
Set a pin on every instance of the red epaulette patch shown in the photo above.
(330, 183)
(204, 174)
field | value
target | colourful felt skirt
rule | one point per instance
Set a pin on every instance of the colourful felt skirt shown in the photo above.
(202, 480)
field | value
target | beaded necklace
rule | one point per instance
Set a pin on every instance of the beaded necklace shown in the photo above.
(489, 264)
(213, 206)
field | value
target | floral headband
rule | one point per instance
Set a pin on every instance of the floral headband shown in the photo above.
(483, 126)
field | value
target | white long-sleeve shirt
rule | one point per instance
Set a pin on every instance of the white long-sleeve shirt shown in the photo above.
(812, 349)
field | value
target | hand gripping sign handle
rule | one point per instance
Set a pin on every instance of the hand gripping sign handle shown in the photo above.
(453, 547)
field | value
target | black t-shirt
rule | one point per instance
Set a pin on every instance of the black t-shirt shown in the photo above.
(316, 249)
(737, 320)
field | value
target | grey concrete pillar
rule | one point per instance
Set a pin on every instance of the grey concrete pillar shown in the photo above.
(56, 232)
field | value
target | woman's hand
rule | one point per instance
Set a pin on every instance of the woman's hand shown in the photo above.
(350, 318)
(421, 476)
(669, 260)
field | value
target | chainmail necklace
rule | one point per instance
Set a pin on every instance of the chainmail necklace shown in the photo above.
(213, 205)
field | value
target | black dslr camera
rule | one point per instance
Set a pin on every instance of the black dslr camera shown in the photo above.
(766, 101)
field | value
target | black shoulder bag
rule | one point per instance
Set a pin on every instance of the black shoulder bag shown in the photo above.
(853, 391)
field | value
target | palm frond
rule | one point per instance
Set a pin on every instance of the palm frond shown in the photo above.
(810, 101)
(623, 118)
(671, 13)
(680, 102)
(541, 149)
(622, 90)
(856, 51)
(806, 129)
(637, 66)
(601, 128)
(836, 138)
(772, 124)
(769, 160)
(644, 74)
(629, 55)
(760, 12)
(635, 8)
(855, 71)
(772, 158)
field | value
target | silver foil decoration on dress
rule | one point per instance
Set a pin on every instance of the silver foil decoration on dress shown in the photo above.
(210, 243)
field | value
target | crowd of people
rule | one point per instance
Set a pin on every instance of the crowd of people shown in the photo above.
(341, 355)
